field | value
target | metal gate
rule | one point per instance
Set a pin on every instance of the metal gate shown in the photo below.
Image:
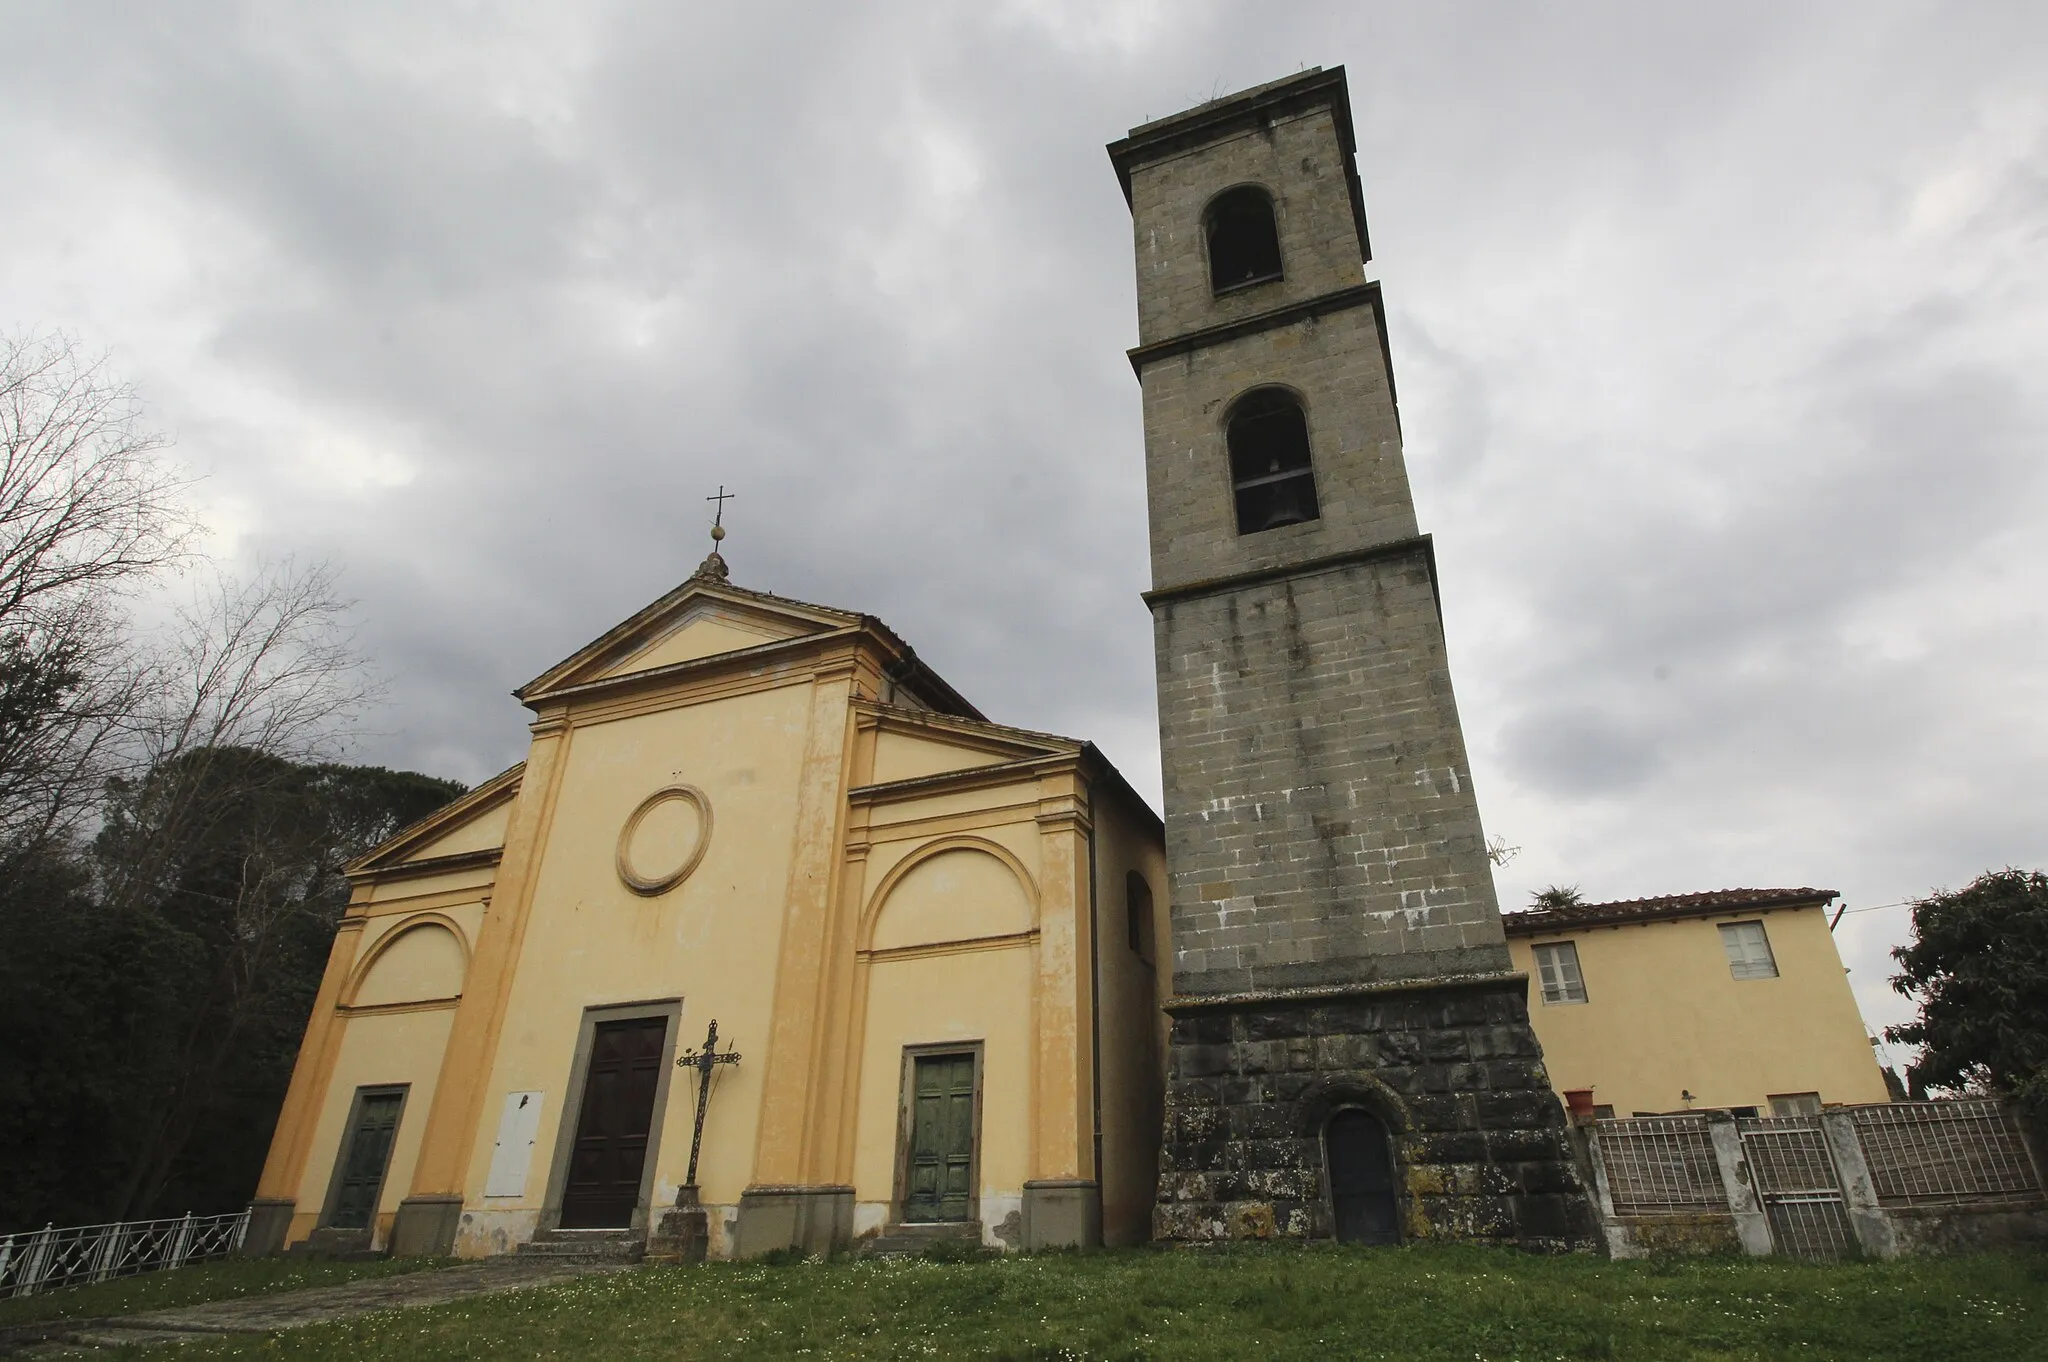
(1802, 1195)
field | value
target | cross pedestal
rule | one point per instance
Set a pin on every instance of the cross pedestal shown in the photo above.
(683, 1234)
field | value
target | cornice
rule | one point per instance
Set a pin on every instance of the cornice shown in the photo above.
(433, 865)
(754, 659)
(973, 778)
(1329, 562)
(1322, 304)
(500, 788)
(1186, 1004)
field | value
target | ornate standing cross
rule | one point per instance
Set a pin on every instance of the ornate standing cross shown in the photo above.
(705, 1062)
(718, 516)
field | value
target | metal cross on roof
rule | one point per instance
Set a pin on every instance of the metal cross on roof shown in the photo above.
(705, 1062)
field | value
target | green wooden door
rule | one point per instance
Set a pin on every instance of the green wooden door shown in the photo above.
(368, 1152)
(941, 1138)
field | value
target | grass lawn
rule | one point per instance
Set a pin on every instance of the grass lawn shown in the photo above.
(217, 1281)
(1283, 1302)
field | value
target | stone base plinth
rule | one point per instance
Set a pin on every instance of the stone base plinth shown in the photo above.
(818, 1221)
(270, 1222)
(683, 1233)
(1062, 1213)
(1451, 1068)
(425, 1227)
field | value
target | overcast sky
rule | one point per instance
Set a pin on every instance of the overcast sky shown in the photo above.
(1721, 335)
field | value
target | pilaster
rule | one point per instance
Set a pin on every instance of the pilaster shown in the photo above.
(1063, 1147)
(460, 1093)
(784, 1156)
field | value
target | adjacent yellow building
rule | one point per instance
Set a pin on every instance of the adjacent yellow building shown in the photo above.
(931, 939)
(1735, 999)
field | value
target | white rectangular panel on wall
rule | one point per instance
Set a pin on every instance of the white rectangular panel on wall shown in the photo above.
(516, 1131)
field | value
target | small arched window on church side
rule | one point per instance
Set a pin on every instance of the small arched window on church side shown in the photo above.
(1244, 243)
(1270, 471)
(1138, 915)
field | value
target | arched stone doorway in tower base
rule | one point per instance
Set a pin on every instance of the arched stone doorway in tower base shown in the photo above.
(1358, 1164)
(1358, 1125)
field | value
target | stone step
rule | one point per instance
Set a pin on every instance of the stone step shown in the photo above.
(586, 1246)
(902, 1241)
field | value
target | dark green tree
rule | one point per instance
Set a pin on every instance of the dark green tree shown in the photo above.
(1557, 896)
(147, 1036)
(1978, 968)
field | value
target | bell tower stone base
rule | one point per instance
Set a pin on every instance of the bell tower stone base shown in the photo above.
(1450, 1067)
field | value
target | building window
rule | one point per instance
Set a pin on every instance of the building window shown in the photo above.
(1749, 950)
(1244, 243)
(1138, 915)
(1557, 967)
(1269, 462)
(1795, 1104)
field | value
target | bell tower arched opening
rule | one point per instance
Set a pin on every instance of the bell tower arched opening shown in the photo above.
(1244, 240)
(1270, 472)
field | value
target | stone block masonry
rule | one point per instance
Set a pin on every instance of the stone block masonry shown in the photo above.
(1320, 825)
(1452, 1070)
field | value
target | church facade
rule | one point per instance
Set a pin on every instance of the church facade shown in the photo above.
(929, 938)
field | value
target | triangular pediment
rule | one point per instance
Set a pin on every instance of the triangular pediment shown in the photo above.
(699, 619)
(911, 745)
(473, 825)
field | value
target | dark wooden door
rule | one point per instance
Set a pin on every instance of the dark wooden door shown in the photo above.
(366, 1154)
(941, 1169)
(1361, 1179)
(611, 1129)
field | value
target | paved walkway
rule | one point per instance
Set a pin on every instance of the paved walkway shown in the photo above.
(290, 1309)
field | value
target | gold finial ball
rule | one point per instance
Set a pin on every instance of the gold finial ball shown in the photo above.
(717, 533)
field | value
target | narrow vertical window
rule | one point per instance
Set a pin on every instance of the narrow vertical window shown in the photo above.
(1557, 969)
(1244, 242)
(1749, 950)
(1138, 915)
(1270, 472)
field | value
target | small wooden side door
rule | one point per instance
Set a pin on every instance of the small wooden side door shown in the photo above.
(939, 1182)
(366, 1153)
(610, 1153)
(1361, 1165)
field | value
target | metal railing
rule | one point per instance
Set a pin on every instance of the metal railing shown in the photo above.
(1660, 1165)
(1812, 1176)
(1795, 1177)
(1945, 1153)
(37, 1260)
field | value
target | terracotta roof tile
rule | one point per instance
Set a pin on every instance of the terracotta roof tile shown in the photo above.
(1713, 901)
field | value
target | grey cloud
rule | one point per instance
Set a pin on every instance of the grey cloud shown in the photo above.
(1729, 440)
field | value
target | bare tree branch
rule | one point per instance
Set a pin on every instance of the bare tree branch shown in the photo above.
(89, 508)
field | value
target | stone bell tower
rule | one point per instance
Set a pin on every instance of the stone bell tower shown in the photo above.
(1351, 1051)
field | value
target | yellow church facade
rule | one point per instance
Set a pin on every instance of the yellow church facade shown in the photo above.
(930, 939)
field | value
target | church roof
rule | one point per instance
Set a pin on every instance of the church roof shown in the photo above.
(1712, 902)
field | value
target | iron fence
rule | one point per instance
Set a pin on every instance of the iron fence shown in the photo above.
(1945, 1153)
(1801, 1190)
(37, 1260)
(1660, 1165)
